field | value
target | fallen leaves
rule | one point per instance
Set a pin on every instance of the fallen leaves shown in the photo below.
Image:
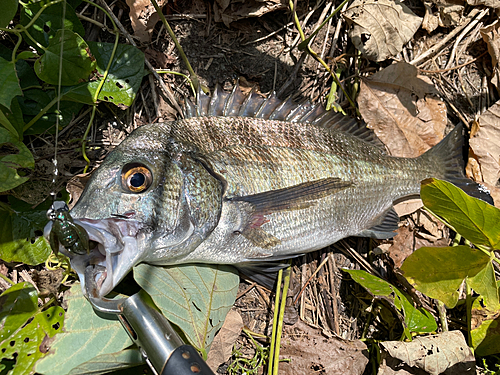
(143, 18)
(222, 346)
(491, 36)
(403, 110)
(310, 352)
(485, 146)
(445, 353)
(380, 28)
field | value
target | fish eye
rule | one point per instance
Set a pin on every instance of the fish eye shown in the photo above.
(136, 178)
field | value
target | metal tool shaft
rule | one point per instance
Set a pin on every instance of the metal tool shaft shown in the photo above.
(158, 342)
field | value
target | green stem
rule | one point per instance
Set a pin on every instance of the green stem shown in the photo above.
(319, 59)
(194, 77)
(41, 113)
(84, 141)
(7, 279)
(162, 71)
(275, 326)
(286, 284)
(305, 42)
(468, 300)
(442, 315)
(101, 84)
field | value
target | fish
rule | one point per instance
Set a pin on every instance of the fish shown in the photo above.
(247, 181)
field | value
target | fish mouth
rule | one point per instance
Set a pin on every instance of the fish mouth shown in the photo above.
(114, 247)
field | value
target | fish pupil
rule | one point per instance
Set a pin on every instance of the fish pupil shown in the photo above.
(137, 180)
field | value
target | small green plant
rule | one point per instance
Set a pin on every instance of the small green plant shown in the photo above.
(439, 272)
(48, 73)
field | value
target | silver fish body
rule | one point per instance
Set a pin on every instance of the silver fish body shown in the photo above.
(235, 184)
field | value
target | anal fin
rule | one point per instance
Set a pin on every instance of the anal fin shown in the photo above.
(386, 229)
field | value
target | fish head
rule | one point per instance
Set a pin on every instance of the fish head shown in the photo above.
(145, 203)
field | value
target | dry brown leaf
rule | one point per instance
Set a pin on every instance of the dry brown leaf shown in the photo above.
(403, 110)
(486, 145)
(431, 21)
(380, 28)
(143, 17)
(222, 345)
(311, 353)
(228, 11)
(408, 206)
(444, 353)
(489, 3)
(491, 36)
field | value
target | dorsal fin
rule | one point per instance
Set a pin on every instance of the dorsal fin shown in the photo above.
(236, 103)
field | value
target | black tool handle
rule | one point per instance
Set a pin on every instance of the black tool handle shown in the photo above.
(186, 360)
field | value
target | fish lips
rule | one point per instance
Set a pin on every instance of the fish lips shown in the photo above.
(117, 250)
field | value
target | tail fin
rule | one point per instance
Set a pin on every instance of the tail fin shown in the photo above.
(448, 154)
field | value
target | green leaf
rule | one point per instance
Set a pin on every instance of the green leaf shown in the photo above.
(20, 233)
(196, 298)
(9, 84)
(4, 120)
(472, 218)
(50, 21)
(26, 74)
(86, 336)
(124, 78)
(438, 272)
(15, 155)
(486, 333)
(25, 55)
(105, 363)
(77, 63)
(484, 283)
(35, 100)
(20, 335)
(9, 9)
(417, 320)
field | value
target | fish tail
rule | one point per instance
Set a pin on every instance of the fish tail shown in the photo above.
(447, 154)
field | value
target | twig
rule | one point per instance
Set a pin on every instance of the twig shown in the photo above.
(453, 67)
(333, 290)
(434, 49)
(462, 35)
(309, 280)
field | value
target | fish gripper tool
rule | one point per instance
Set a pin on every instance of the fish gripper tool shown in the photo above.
(160, 345)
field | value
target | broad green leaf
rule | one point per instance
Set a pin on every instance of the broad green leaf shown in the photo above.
(472, 218)
(77, 63)
(103, 364)
(35, 100)
(486, 328)
(9, 9)
(49, 22)
(438, 272)
(86, 336)
(124, 78)
(14, 155)
(484, 283)
(8, 125)
(26, 75)
(9, 83)
(20, 231)
(25, 327)
(196, 298)
(417, 320)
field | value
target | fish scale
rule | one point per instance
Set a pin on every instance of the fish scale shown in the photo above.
(218, 187)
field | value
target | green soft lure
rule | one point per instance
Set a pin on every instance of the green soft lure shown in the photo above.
(65, 232)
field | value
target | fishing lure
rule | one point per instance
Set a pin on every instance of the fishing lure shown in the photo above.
(65, 232)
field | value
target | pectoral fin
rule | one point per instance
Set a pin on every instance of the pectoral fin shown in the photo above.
(296, 197)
